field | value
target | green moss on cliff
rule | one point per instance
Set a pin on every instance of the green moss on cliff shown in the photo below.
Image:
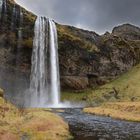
(75, 37)
(125, 88)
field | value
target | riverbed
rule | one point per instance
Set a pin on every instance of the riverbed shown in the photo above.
(91, 127)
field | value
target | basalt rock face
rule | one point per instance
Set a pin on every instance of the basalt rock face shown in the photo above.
(16, 35)
(9, 35)
(86, 58)
(127, 32)
(98, 58)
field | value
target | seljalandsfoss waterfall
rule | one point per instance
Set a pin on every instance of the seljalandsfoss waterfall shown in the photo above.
(45, 81)
(3, 9)
(99, 75)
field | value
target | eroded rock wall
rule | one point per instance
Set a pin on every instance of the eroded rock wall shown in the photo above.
(86, 58)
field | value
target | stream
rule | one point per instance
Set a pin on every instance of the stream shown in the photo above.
(91, 127)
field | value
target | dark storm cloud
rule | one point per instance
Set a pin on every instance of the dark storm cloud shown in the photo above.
(98, 15)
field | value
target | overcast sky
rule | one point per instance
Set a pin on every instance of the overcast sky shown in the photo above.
(97, 15)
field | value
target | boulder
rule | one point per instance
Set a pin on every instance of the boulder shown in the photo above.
(1, 92)
(74, 82)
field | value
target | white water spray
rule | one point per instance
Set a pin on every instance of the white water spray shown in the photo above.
(38, 71)
(45, 82)
(20, 38)
(54, 65)
(13, 18)
(3, 9)
(1, 3)
(5, 6)
(20, 35)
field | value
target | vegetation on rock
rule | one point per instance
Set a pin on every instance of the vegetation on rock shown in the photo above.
(92, 66)
(83, 55)
(124, 88)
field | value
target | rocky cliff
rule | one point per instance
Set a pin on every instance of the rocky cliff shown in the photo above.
(86, 59)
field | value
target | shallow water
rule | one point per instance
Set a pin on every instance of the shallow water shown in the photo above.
(90, 127)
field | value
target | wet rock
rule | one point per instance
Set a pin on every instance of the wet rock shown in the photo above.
(134, 99)
(74, 82)
(1, 93)
(86, 58)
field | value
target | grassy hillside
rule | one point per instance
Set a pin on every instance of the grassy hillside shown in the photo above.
(125, 88)
(129, 111)
(33, 124)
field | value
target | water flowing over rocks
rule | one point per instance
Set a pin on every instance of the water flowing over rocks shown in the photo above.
(91, 127)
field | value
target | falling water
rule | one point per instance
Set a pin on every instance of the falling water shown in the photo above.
(4, 10)
(1, 3)
(38, 80)
(45, 84)
(21, 17)
(13, 18)
(20, 38)
(5, 5)
(55, 83)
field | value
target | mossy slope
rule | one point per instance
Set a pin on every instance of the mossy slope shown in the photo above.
(124, 88)
(129, 111)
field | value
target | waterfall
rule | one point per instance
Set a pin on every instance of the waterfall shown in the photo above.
(38, 71)
(44, 82)
(13, 18)
(3, 10)
(20, 38)
(21, 17)
(1, 3)
(18, 19)
(55, 83)
(5, 6)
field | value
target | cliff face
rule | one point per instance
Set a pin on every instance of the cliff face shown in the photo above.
(86, 58)
(15, 21)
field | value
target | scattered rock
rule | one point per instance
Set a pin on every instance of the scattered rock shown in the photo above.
(74, 82)
(1, 93)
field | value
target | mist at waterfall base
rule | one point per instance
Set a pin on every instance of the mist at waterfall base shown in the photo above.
(45, 79)
(13, 81)
(42, 89)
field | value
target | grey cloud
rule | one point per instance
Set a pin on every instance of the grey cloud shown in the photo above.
(97, 15)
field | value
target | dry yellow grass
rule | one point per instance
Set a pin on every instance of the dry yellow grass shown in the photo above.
(35, 124)
(129, 111)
